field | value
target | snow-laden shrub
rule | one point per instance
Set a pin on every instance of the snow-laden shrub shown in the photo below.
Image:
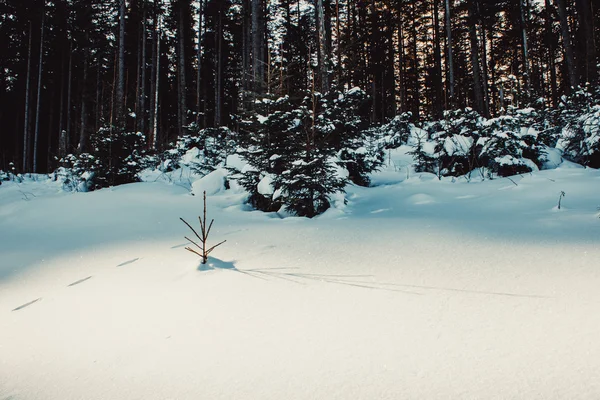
(454, 141)
(504, 145)
(291, 148)
(423, 151)
(342, 123)
(115, 158)
(77, 172)
(579, 116)
(202, 150)
(10, 175)
(394, 133)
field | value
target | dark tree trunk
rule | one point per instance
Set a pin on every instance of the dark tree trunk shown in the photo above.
(26, 133)
(477, 86)
(142, 110)
(182, 81)
(219, 88)
(120, 93)
(586, 20)
(551, 53)
(568, 47)
(39, 96)
(199, 62)
(437, 59)
(258, 46)
(450, 60)
(323, 53)
(83, 131)
(525, 49)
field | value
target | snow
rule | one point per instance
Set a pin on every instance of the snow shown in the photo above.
(417, 288)
(265, 186)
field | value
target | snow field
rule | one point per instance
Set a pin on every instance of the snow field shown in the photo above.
(416, 288)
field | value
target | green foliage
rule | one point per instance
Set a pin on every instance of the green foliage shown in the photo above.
(579, 115)
(116, 158)
(292, 148)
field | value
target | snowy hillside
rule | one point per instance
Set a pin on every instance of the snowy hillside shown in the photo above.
(414, 289)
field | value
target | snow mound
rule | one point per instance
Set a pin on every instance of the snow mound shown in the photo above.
(212, 183)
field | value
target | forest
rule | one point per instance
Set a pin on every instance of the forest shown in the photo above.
(104, 88)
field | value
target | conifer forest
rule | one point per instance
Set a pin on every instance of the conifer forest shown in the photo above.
(100, 89)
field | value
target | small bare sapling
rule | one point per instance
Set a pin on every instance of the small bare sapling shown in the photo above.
(560, 196)
(202, 250)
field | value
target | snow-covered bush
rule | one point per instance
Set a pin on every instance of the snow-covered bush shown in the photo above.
(77, 172)
(342, 122)
(291, 149)
(202, 150)
(455, 138)
(579, 116)
(504, 145)
(115, 158)
(396, 132)
(423, 151)
(10, 175)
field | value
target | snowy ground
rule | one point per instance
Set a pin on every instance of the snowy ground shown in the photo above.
(416, 289)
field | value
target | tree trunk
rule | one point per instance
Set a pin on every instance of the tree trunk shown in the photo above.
(83, 131)
(181, 104)
(120, 94)
(62, 150)
(26, 133)
(39, 95)
(484, 81)
(586, 20)
(437, 58)
(156, 88)
(69, 92)
(527, 72)
(219, 87)
(199, 61)
(477, 87)
(551, 51)
(142, 111)
(258, 47)
(566, 38)
(323, 53)
(450, 60)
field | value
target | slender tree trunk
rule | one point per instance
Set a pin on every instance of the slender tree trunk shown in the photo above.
(83, 130)
(485, 78)
(450, 60)
(585, 14)
(527, 71)
(258, 46)
(120, 93)
(568, 47)
(62, 150)
(416, 101)
(156, 88)
(199, 61)
(69, 92)
(182, 81)
(98, 110)
(477, 87)
(219, 87)
(153, 76)
(401, 67)
(323, 53)
(437, 56)
(39, 95)
(551, 51)
(26, 133)
(142, 113)
(339, 43)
